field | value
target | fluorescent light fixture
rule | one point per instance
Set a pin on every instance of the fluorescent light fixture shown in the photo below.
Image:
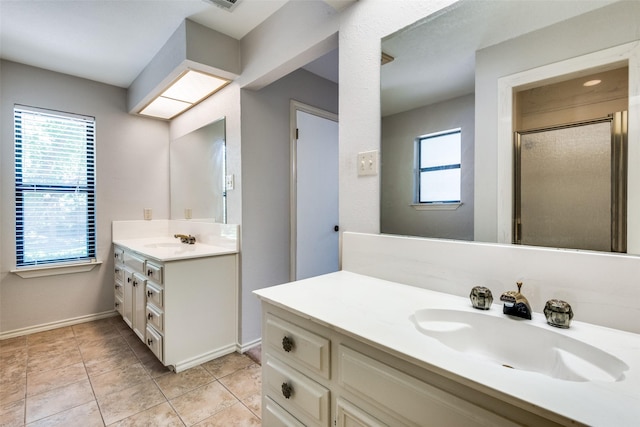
(186, 91)
(592, 83)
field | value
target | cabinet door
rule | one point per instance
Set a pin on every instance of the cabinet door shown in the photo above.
(127, 311)
(139, 305)
(349, 415)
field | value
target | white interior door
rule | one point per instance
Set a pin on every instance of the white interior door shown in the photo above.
(316, 194)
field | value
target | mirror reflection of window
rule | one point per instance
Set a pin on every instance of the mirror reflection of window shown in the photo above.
(439, 167)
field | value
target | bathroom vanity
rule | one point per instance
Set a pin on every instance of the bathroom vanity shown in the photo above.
(180, 299)
(350, 349)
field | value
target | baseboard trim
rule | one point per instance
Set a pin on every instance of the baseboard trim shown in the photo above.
(243, 348)
(195, 361)
(57, 324)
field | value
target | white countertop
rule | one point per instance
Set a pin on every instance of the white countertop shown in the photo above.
(170, 249)
(379, 312)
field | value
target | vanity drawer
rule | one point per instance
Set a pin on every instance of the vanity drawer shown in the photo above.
(154, 342)
(304, 397)
(118, 255)
(153, 272)
(274, 416)
(119, 289)
(118, 273)
(410, 400)
(155, 317)
(119, 304)
(298, 346)
(134, 262)
(155, 295)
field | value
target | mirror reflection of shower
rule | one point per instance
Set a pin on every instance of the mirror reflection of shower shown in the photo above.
(570, 164)
(570, 185)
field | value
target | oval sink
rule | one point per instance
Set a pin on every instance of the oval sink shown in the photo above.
(514, 344)
(169, 245)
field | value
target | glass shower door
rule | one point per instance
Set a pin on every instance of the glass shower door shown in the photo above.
(566, 192)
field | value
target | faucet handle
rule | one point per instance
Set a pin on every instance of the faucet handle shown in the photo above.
(519, 284)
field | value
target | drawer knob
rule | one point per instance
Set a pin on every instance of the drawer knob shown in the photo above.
(149, 272)
(287, 390)
(117, 304)
(149, 294)
(287, 344)
(149, 341)
(128, 279)
(149, 316)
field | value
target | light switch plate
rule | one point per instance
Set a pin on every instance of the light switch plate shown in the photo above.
(368, 163)
(187, 213)
(229, 182)
(148, 214)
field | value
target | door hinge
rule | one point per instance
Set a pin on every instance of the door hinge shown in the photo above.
(297, 133)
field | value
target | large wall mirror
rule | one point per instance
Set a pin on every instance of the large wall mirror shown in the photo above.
(197, 169)
(444, 72)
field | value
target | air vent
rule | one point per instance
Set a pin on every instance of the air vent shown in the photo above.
(227, 5)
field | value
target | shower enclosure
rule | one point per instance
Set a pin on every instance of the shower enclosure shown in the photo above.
(570, 185)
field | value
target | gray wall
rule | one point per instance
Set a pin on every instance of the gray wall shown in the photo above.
(265, 176)
(132, 174)
(399, 132)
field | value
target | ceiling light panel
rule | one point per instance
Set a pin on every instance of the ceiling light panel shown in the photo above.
(189, 89)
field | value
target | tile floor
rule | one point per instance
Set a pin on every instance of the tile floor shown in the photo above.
(100, 374)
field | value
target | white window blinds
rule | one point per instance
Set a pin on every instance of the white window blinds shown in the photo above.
(55, 187)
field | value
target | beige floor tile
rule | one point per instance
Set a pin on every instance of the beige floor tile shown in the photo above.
(130, 401)
(13, 366)
(41, 382)
(50, 337)
(92, 328)
(237, 416)
(54, 360)
(58, 400)
(87, 415)
(203, 402)
(103, 348)
(14, 390)
(11, 344)
(111, 361)
(44, 348)
(154, 367)
(12, 414)
(90, 339)
(161, 415)
(228, 364)
(255, 354)
(254, 403)
(118, 379)
(140, 349)
(174, 385)
(245, 382)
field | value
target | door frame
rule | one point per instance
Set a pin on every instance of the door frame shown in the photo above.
(294, 107)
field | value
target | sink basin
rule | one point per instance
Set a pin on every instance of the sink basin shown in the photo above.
(169, 245)
(517, 345)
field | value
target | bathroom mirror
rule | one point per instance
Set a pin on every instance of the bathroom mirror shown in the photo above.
(429, 86)
(197, 170)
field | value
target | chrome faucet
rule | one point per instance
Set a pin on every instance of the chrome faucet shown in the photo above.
(515, 304)
(185, 239)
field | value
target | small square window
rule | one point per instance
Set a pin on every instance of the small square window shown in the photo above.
(439, 167)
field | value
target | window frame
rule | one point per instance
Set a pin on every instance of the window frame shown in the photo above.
(419, 170)
(22, 189)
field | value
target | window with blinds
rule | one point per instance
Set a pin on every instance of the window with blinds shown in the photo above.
(55, 187)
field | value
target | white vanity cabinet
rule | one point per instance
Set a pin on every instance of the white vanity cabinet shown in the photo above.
(314, 375)
(184, 310)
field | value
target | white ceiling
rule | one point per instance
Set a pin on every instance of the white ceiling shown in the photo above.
(111, 41)
(435, 61)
